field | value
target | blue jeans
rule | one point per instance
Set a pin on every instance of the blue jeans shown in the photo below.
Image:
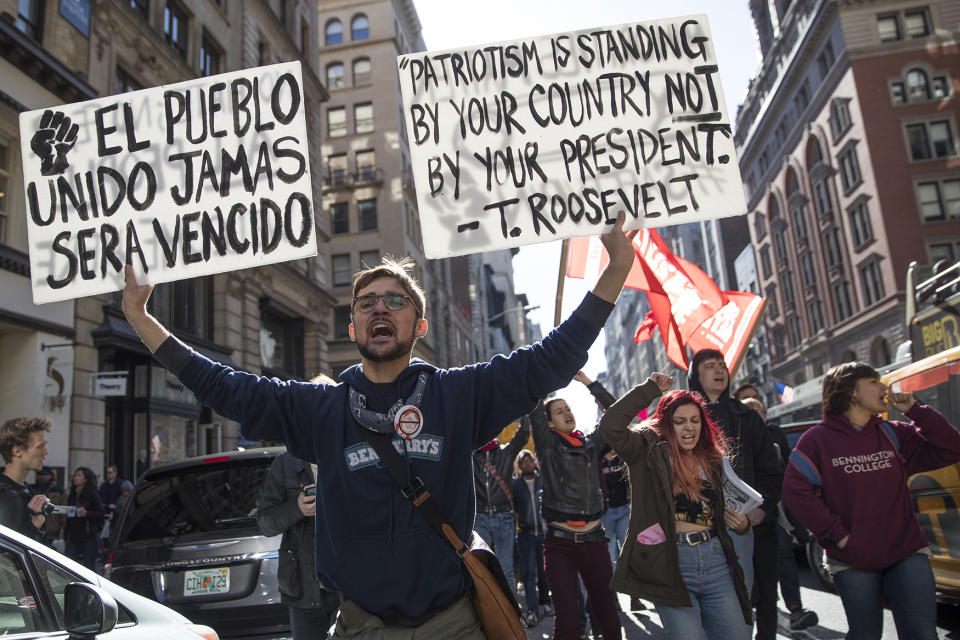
(531, 569)
(910, 587)
(716, 612)
(83, 550)
(615, 522)
(497, 530)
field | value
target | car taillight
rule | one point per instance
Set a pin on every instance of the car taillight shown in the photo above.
(203, 631)
(216, 459)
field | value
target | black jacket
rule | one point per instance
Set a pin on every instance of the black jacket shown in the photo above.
(83, 528)
(490, 495)
(13, 509)
(752, 454)
(279, 513)
(527, 506)
(571, 475)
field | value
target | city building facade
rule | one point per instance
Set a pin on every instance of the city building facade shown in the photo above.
(272, 320)
(847, 143)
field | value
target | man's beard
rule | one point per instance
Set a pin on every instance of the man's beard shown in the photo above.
(400, 349)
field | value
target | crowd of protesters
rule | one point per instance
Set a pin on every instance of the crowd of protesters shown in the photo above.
(636, 507)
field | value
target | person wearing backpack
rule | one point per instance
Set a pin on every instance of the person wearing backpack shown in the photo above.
(847, 483)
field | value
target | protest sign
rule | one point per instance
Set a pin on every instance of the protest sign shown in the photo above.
(180, 181)
(549, 137)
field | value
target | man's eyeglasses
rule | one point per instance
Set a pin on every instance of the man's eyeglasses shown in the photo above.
(392, 301)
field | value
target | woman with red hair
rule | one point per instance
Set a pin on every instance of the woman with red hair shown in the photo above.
(678, 552)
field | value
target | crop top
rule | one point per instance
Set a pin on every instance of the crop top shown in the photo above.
(694, 511)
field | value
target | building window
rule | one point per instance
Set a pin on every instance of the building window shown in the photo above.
(281, 345)
(831, 241)
(826, 59)
(778, 342)
(841, 300)
(336, 122)
(939, 199)
(898, 93)
(359, 28)
(799, 223)
(369, 259)
(849, 169)
(341, 322)
(335, 78)
(916, 22)
(175, 28)
(807, 272)
(872, 282)
(840, 120)
(342, 272)
(888, 25)
(941, 86)
(772, 307)
(860, 224)
(793, 326)
(766, 267)
(815, 309)
(786, 281)
(185, 305)
(366, 165)
(125, 83)
(337, 169)
(30, 18)
(918, 85)
(367, 212)
(821, 194)
(209, 58)
(941, 251)
(931, 140)
(339, 218)
(304, 35)
(802, 99)
(4, 189)
(142, 7)
(363, 117)
(759, 226)
(780, 246)
(333, 34)
(361, 72)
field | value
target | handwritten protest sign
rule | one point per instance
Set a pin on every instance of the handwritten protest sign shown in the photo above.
(180, 181)
(533, 140)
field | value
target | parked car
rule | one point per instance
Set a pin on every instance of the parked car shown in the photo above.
(45, 594)
(188, 537)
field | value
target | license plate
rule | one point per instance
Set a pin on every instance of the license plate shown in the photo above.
(204, 581)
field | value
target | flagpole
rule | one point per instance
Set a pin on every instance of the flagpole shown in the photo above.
(561, 276)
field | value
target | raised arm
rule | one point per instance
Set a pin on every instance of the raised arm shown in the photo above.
(615, 421)
(599, 392)
(518, 440)
(932, 444)
(134, 306)
(619, 246)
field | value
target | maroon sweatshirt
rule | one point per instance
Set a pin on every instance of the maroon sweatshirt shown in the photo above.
(865, 491)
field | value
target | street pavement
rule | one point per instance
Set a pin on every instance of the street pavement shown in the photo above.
(832, 626)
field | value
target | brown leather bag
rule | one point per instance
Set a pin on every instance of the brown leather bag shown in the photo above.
(498, 612)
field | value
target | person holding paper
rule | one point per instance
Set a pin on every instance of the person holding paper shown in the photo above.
(373, 545)
(847, 482)
(755, 461)
(679, 553)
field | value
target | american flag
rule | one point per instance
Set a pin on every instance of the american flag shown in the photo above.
(787, 394)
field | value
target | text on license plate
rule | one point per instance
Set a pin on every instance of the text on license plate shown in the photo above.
(204, 581)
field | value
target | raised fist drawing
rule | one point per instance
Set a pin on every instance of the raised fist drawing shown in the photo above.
(55, 137)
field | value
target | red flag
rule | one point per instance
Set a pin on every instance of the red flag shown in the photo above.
(730, 329)
(680, 294)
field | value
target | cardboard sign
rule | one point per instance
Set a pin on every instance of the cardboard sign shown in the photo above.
(180, 181)
(550, 137)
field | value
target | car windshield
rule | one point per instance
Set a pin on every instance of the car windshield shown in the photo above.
(195, 500)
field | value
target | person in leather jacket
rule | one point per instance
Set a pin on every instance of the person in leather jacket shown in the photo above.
(575, 542)
(285, 507)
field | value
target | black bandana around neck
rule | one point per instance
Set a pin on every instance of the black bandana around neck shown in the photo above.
(383, 422)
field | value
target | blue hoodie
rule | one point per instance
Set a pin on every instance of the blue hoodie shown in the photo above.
(372, 545)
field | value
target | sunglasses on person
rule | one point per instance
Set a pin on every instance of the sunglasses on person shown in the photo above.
(393, 301)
